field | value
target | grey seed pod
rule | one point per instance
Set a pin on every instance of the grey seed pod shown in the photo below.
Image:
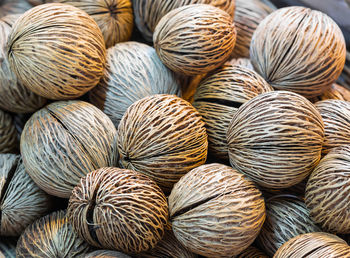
(8, 133)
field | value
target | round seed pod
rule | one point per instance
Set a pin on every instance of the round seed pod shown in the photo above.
(252, 252)
(8, 133)
(298, 49)
(163, 137)
(336, 91)
(133, 72)
(241, 61)
(9, 7)
(327, 191)
(118, 209)
(248, 15)
(51, 236)
(220, 95)
(314, 245)
(57, 51)
(194, 39)
(285, 218)
(215, 211)
(22, 201)
(106, 254)
(276, 139)
(64, 141)
(8, 247)
(149, 12)
(336, 118)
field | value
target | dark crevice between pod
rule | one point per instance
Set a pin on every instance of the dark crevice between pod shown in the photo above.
(223, 102)
(310, 253)
(90, 217)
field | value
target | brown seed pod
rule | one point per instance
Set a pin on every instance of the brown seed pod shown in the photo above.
(57, 51)
(194, 39)
(149, 12)
(241, 61)
(285, 218)
(276, 139)
(51, 236)
(118, 209)
(163, 137)
(336, 91)
(327, 191)
(8, 247)
(64, 141)
(133, 72)
(252, 252)
(106, 254)
(314, 245)
(215, 211)
(336, 118)
(248, 15)
(9, 7)
(298, 49)
(219, 96)
(8, 133)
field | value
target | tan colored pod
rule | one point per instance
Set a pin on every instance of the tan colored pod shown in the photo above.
(106, 254)
(194, 39)
(64, 141)
(57, 51)
(242, 61)
(8, 133)
(163, 137)
(314, 245)
(298, 49)
(216, 211)
(327, 191)
(118, 209)
(252, 252)
(276, 139)
(336, 91)
(219, 96)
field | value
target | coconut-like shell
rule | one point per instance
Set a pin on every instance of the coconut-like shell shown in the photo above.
(336, 91)
(133, 72)
(106, 254)
(327, 191)
(8, 133)
(216, 211)
(149, 12)
(252, 252)
(194, 39)
(163, 137)
(285, 218)
(218, 98)
(298, 49)
(22, 201)
(118, 209)
(57, 51)
(51, 236)
(248, 15)
(9, 7)
(64, 141)
(242, 61)
(8, 247)
(314, 245)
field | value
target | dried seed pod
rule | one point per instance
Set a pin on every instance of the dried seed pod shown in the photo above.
(314, 245)
(163, 137)
(327, 191)
(118, 209)
(57, 51)
(106, 254)
(133, 72)
(64, 141)
(8, 133)
(336, 118)
(51, 236)
(9, 7)
(219, 96)
(248, 15)
(252, 252)
(298, 49)
(194, 39)
(8, 247)
(241, 61)
(336, 91)
(285, 218)
(276, 139)
(215, 211)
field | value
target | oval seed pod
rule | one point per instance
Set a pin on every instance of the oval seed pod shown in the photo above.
(8, 133)
(215, 211)
(106, 254)
(51, 236)
(276, 139)
(194, 39)
(252, 252)
(118, 209)
(64, 141)
(149, 12)
(134, 71)
(241, 61)
(298, 49)
(336, 91)
(327, 191)
(9, 7)
(314, 245)
(57, 51)
(219, 96)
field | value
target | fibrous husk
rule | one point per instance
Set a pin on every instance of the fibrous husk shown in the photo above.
(8, 133)
(133, 72)
(8, 247)
(194, 39)
(298, 49)
(336, 91)
(9, 7)
(216, 211)
(118, 209)
(64, 141)
(57, 51)
(106, 254)
(276, 139)
(242, 61)
(252, 252)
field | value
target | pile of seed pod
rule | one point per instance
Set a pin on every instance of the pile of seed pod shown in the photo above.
(206, 129)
